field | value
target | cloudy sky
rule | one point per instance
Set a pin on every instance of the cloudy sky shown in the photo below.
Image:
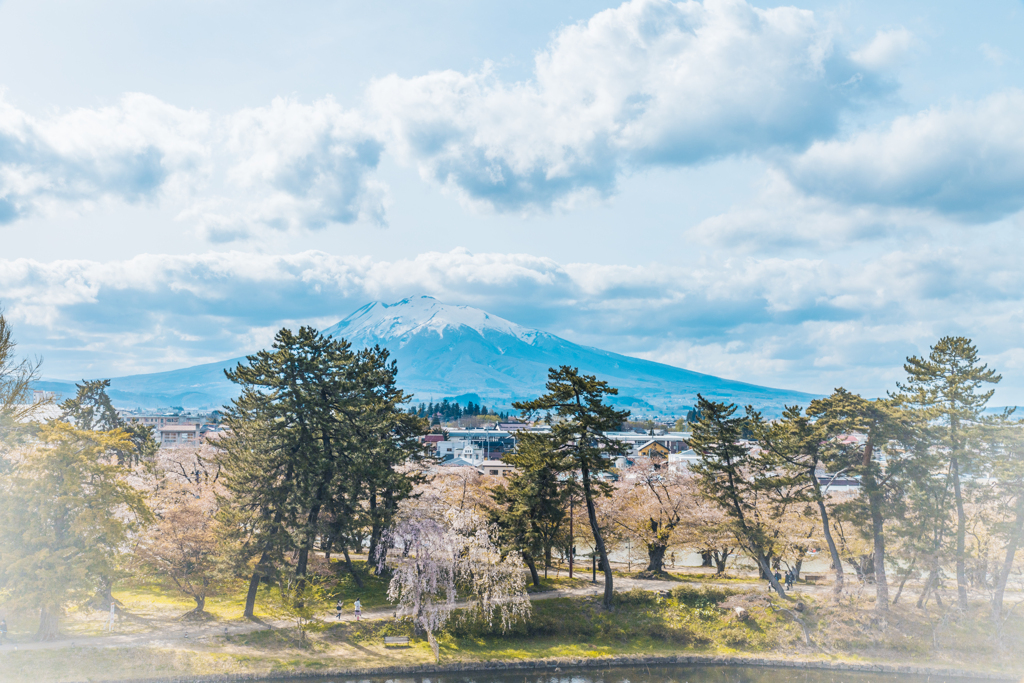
(797, 196)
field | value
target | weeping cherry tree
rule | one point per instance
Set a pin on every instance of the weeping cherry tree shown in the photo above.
(444, 557)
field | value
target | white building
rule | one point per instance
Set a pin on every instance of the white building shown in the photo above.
(461, 448)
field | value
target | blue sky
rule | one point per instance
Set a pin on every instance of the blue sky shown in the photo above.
(798, 196)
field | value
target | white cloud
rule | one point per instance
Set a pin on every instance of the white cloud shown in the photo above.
(286, 166)
(138, 150)
(649, 82)
(965, 160)
(801, 323)
(994, 54)
(886, 50)
(290, 166)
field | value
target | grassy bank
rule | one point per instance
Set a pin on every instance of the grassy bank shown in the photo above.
(692, 620)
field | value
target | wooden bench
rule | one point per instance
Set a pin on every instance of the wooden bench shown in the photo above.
(396, 640)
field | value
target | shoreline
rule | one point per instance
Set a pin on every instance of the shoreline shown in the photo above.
(558, 664)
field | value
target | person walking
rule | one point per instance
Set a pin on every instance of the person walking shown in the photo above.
(3, 631)
(338, 608)
(358, 609)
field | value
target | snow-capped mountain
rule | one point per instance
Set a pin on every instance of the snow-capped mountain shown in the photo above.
(402, 321)
(448, 351)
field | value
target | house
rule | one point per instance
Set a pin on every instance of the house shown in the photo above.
(495, 468)
(460, 448)
(652, 449)
(170, 436)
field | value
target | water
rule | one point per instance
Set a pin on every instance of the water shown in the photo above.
(656, 674)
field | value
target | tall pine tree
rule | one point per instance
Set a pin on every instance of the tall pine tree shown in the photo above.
(575, 407)
(947, 387)
(732, 476)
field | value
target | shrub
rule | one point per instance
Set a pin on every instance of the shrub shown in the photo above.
(635, 596)
(705, 596)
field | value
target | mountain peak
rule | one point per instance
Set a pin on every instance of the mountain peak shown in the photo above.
(378, 321)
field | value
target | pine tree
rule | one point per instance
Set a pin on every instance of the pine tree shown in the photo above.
(1003, 440)
(893, 439)
(575, 408)
(287, 443)
(16, 405)
(947, 387)
(530, 509)
(734, 478)
(66, 515)
(388, 440)
(92, 410)
(799, 444)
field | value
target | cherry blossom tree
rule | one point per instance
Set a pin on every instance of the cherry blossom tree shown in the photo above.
(449, 557)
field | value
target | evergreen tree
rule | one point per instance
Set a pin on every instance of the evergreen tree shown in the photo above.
(92, 410)
(893, 442)
(574, 407)
(799, 444)
(319, 438)
(1003, 440)
(734, 478)
(388, 439)
(287, 444)
(16, 405)
(947, 387)
(530, 509)
(66, 515)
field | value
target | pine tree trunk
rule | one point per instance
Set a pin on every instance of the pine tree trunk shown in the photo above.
(933, 576)
(1004, 572)
(104, 594)
(303, 562)
(706, 559)
(261, 571)
(837, 588)
(766, 570)
(961, 537)
(598, 539)
(352, 569)
(49, 623)
(870, 483)
(533, 569)
(376, 530)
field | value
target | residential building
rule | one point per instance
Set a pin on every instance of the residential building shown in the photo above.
(495, 468)
(170, 436)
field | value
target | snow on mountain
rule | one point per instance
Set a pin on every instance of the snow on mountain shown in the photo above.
(378, 321)
(444, 351)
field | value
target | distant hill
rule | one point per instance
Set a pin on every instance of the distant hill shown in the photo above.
(445, 351)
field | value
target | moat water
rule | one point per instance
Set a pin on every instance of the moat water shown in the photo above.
(655, 674)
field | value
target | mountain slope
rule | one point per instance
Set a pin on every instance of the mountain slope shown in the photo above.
(445, 351)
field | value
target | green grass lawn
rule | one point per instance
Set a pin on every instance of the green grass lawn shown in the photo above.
(692, 619)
